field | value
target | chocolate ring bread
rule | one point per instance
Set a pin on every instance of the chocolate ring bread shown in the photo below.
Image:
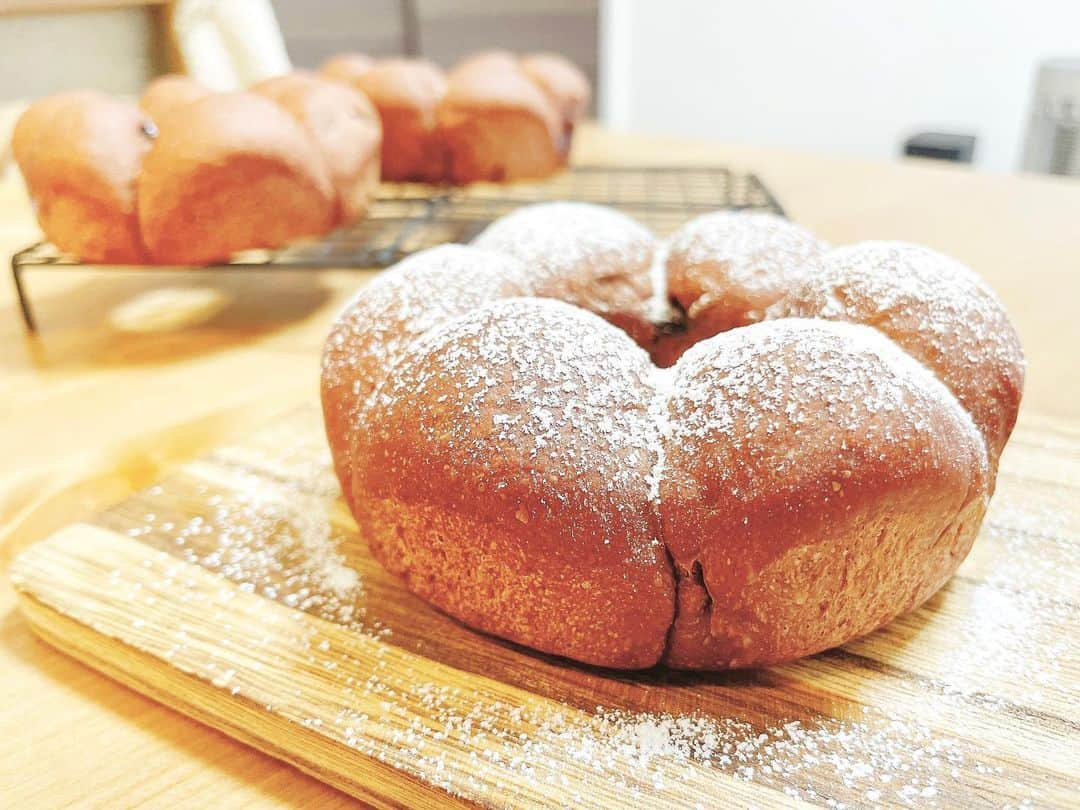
(803, 475)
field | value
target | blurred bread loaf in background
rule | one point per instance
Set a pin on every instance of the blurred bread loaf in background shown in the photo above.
(80, 154)
(191, 175)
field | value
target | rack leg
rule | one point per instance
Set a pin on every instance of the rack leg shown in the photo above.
(24, 301)
(410, 28)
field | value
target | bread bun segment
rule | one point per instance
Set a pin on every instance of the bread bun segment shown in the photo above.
(80, 154)
(235, 172)
(345, 128)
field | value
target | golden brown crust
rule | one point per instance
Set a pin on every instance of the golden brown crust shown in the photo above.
(497, 124)
(80, 154)
(234, 172)
(344, 126)
(169, 93)
(406, 93)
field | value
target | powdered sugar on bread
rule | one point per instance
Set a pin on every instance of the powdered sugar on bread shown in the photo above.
(784, 486)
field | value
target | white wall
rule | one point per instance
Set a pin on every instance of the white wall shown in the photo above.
(111, 49)
(845, 76)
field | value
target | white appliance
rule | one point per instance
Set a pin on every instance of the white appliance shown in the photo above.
(1052, 144)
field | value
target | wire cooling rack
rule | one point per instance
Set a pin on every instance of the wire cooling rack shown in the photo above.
(407, 217)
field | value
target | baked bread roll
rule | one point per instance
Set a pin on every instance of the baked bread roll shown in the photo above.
(80, 154)
(347, 67)
(168, 93)
(566, 86)
(935, 309)
(543, 464)
(725, 269)
(406, 93)
(588, 255)
(496, 124)
(344, 127)
(792, 482)
(398, 306)
(235, 171)
(817, 482)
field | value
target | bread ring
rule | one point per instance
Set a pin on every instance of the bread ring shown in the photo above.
(787, 485)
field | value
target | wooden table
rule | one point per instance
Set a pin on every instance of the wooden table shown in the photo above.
(84, 397)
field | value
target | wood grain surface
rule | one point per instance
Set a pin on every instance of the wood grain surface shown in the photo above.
(92, 409)
(237, 591)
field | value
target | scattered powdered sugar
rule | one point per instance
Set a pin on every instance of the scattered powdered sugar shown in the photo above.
(938, 310)
(1018, 590)
(271, 537)
(663, 381)
(276, 542)
(558, 386)
(457, 736)
(660, 310)
(889, 756)
(897, 275)
(560, 238)
(401, 304)
(744, 249)
(1018, 528)
(1007, 635)
(413, 296)
(745, 389)
(671, 758)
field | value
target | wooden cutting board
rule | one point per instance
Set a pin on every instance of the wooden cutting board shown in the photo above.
(237, 591)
